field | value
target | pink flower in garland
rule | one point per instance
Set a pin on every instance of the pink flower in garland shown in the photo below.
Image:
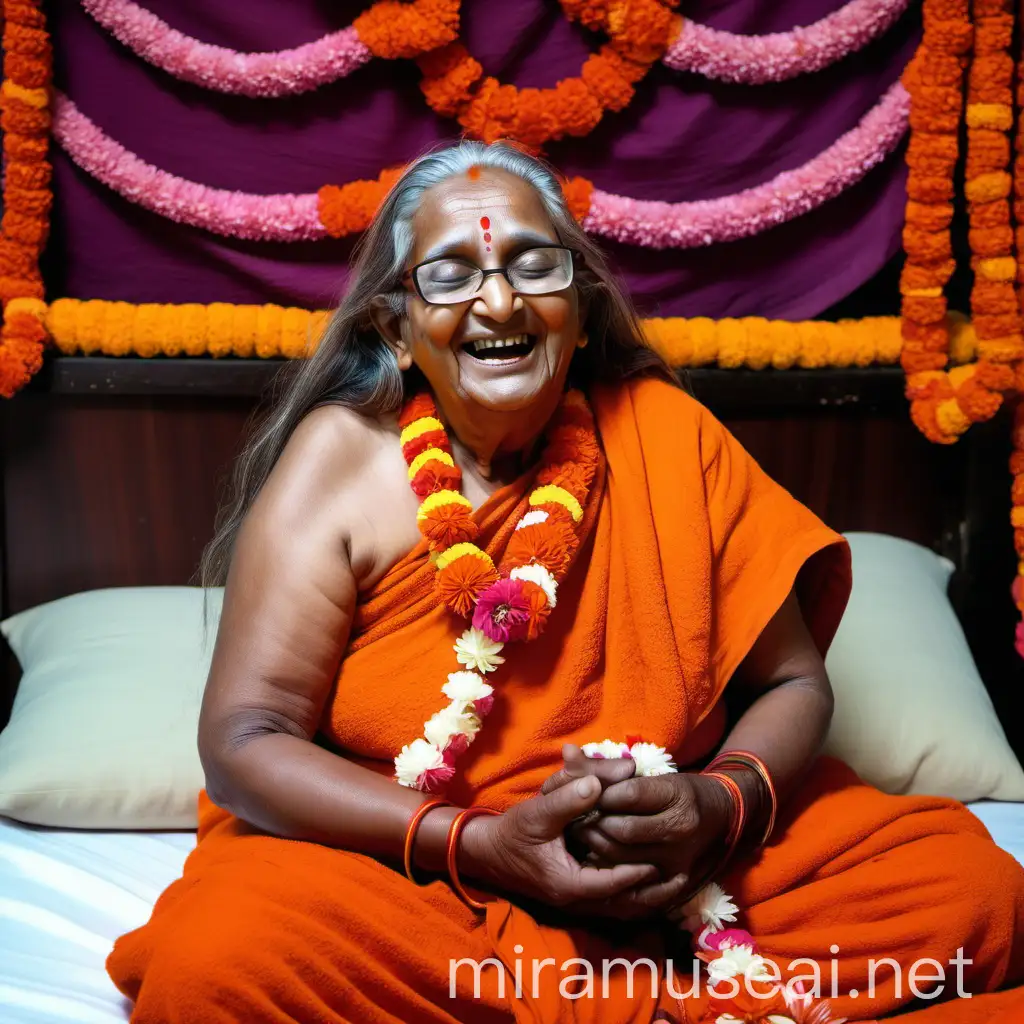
(502, 611)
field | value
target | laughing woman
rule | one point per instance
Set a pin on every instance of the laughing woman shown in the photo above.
(481, 530)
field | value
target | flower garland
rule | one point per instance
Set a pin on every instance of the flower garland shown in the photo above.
(99, 327)
(282, 218)
(191, 329)
(661, 225)
(934, 80)
(945, 404)
(639, 30)
(507, 602)
(338, 211)
(283, 73)
(409, 30)
(754, 60)
(25, 121)
(731, 954)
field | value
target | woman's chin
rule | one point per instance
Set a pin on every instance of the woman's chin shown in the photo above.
(505, 385)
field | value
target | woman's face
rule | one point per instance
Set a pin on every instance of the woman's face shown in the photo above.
(488, 218)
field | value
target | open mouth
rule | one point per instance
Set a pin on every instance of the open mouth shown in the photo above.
(516, 346)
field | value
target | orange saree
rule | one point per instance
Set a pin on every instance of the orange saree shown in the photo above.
(689, 551)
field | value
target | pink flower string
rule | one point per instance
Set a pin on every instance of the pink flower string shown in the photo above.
(281, 218)
(661, 225)
(650, 223)
(282, 73)
(754, 60)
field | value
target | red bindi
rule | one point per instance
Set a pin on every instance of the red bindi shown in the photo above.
(473, 173)
(485, 223)
(487, 236)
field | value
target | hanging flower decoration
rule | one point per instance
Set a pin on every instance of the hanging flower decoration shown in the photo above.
(507, 602)
(755, 60)
(339, 211)
(454, 84)
(934, 80)
(25, 120)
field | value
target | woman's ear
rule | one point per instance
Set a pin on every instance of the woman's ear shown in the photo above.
(392, 327)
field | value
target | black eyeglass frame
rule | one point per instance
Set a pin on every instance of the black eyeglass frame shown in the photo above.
(411, 273)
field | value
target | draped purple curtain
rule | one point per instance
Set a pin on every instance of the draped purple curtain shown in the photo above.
(682, 137)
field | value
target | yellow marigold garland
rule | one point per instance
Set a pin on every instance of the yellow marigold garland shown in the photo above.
(98, 327)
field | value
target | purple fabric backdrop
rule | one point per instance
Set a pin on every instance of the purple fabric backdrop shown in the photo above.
(683, 137)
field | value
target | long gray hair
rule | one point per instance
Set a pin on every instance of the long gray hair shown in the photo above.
(353, 366)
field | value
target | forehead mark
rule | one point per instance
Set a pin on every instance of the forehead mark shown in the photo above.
(473, 173)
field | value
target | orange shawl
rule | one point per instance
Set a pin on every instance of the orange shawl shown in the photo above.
(690, 549)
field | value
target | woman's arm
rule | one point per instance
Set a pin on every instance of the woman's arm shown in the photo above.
(288, 608)
(792, 706)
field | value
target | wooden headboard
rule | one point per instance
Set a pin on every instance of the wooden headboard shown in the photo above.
(112, 470)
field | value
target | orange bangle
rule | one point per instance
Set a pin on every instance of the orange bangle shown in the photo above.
(458, 823)
(745, 759)
(410, 833)
(739, 815)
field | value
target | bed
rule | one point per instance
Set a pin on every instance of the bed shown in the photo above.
(111, 472)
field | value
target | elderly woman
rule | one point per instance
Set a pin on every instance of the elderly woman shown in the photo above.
(484, 535)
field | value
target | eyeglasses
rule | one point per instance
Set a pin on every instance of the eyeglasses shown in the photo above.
(448, 281)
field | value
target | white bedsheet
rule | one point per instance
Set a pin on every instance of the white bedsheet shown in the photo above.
(65, 896)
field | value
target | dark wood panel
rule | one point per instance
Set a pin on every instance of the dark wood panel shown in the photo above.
(736, 392)
(110, 493)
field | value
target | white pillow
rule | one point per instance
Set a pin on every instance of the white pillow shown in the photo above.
(103, 730)
(912, 714)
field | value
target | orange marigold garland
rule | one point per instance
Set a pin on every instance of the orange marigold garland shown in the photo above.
(508, 603)
(25, 120)
(934, 80)
(455, 86)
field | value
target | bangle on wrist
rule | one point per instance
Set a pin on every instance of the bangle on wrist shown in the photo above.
(457, 825)
(750, 761)
(410, 833)
(738, 816)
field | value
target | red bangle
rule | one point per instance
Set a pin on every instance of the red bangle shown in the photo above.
(410, 832)
(458, 823)
(739, 812)
(746, 759)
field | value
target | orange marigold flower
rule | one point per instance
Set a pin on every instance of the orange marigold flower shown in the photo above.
(576, 108)
(929, 189)
(991, 241)
(550, 544)
(447, 525)
(462, 581)
(448, 76)
(1018, 542)
(924, 311)
(436, 476)
(574, 478)
(392, 29)
(538, 609)
(417, 408)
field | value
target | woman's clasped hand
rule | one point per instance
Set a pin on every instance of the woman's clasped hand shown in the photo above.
(599, 841)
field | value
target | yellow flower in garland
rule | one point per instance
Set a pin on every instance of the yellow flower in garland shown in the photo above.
(560, 496)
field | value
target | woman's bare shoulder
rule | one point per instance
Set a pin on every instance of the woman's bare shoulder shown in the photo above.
(345, 471)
